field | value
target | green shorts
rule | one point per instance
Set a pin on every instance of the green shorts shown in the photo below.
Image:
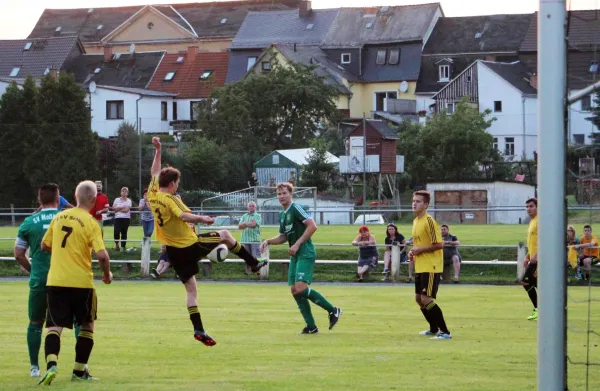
(301, 269)
(38, 300)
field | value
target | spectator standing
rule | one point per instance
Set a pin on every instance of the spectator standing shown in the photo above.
(451, 255)
(250, 224)
(147, 216)
(100, 206)
(367, 252)
(253, 180)
(292, 179)
(122, 208)
(393, 238)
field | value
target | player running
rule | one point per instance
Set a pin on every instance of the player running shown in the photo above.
(72, 236)
(297, 227)
(529, 280)
(184, 247)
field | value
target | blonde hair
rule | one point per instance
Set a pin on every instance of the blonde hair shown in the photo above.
(125, 188)
(85, 193)
(285, 185)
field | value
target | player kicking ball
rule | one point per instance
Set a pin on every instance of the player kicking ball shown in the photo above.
(297, 227)
(184, 248)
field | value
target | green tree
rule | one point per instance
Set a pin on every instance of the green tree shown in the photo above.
(316, 172)
(18, 114)
(126, 172)
(62, 147)
(204, 164)
(448, 147)
(283, 108)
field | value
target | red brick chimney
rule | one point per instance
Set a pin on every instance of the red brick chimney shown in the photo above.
(305, 8)
(107, 53)
(54, 73)
(490, 57)
(192, 52)
(533, 80)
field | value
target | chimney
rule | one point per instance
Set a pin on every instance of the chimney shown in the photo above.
(54, 73)
(107, 53)
(533, 80)
(490, 57)
(192, 52)
(294, 46)
(305, 8)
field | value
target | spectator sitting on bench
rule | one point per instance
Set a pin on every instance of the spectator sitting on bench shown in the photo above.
(163, 264)
(393, 238)
(451, 255)
(367, 252)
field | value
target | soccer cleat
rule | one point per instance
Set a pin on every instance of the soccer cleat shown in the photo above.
(442, 336)
(86, 377)
(385, 271)
(409, 280)
(261, 263)
(534, 315)
(308, 330)
(334, 317)
(429, 332)
(34, 371)
(204, 338)
(154, 274)
(48, 376)
(456, 281)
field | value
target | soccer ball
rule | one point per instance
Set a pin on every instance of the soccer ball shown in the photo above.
(218, 254)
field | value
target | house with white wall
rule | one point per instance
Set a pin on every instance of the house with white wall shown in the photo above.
(508, 91)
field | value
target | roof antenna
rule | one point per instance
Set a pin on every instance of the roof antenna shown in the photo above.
(294, 46)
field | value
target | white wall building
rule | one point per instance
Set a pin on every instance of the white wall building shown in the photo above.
(579, 128)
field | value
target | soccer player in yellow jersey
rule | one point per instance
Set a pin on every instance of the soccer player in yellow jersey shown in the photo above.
(71, 237)
(427, 254)
(529, 280)
(184, 247)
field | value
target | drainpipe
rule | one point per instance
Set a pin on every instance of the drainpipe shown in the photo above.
(524, 130)
(139, 129)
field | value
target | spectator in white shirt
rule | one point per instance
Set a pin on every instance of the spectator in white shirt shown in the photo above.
(122, 206)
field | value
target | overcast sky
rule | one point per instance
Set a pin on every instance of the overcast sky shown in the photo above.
(17, 18)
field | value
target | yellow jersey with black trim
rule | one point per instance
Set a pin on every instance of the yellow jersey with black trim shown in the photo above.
(167, 210)
(72, 235)
(532, 237)
(426, 232)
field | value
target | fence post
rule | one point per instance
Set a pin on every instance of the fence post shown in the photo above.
(12, 214)
(521, 253)
(145, 266)
(264, 271)
(395, 263)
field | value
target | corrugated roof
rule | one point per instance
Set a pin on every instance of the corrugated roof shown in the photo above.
(396, 24)
(514, 73)
(476, 34)
(584, 31)
(140, 91)
(300, 156)
(130, 70)
(44, 53)
(261, 29)
(187, 82)
(205, 18)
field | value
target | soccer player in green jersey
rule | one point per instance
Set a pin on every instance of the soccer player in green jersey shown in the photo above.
(30, 236)
(297, 227)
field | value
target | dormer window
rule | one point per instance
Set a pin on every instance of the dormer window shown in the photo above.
(444, 71)
(15, 72)
(381, 57)
(179, 60)
(594, 67)
(394, 57)
(28, 45)
(346, 58)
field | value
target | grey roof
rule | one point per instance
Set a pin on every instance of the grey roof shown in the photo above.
(238, 64)
(44, 53)
(205, 18)
(499, 33)
(396, 118)
(333, 73)
(383, 129)
(514, 73)
(139, 91)
(407, 68)
(260, 29)
(584, 31)
(130, 70)
(396, 24)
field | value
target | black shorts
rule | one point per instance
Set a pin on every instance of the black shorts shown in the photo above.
(427, 284)
(185, 260)
(530, 276)
(66, 305)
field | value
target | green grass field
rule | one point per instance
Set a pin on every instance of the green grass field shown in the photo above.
(143, 340)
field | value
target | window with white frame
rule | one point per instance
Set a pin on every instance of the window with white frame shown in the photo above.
(251, 62)
(346, 57)
(266, 66)
(450, 108)
(509, 146)
(444, 73)
(495, 143)
(394, 57)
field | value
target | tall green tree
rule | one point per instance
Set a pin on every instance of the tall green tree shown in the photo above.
(62, 147)
(283, 108)
(448, 147)
(127, 146)
(316, 172)
(205, 164)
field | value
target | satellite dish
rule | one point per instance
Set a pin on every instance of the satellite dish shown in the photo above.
(132, 48)
(403, 86)
(92, 86)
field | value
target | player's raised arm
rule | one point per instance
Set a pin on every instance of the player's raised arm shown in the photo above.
(156, 164)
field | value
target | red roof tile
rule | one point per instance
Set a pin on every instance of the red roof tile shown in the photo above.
(187, 82)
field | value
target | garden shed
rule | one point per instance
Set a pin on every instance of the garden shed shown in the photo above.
(278, 165)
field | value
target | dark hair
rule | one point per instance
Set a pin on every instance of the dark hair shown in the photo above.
(425, 194)
(533, 199)
(48, 193)
(395, 229)
(445, 225)
(145, 190)
(587, 226)
(168, 175)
